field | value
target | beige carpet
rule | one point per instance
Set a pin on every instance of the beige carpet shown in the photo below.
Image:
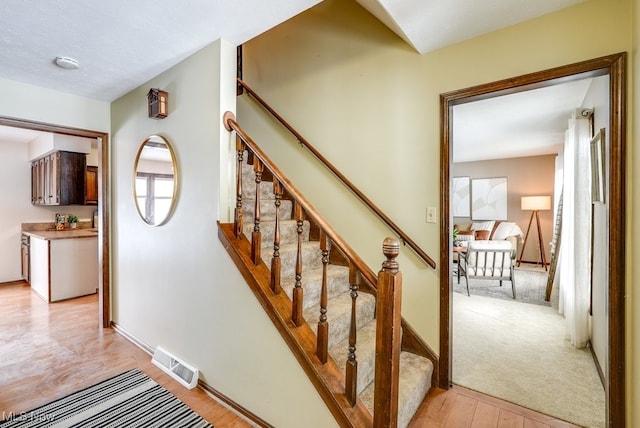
(531, 286)
(517, 352)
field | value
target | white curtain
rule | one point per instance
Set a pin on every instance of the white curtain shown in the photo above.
(573, 272)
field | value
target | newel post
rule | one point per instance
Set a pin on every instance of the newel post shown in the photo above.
(388, 338)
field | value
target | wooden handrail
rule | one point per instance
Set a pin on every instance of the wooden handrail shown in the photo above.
(386, 286)
(230, 124)
(403, 236)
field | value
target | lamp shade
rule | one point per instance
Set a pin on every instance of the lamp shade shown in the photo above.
(535, 203)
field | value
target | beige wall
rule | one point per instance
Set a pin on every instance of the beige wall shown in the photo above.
(23, 101)
(527, 176)
(175, 285)
(371, 106)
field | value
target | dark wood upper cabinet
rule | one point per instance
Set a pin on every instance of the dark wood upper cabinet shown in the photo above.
(91, 183)
(59, 179)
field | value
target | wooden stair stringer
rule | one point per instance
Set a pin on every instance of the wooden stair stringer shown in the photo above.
(326, 378)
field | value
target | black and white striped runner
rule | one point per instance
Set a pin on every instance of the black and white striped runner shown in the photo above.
(130, 399)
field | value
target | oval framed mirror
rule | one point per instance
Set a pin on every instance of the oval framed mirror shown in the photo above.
(155, 178)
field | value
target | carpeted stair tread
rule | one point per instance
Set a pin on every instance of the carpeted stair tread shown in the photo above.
(288, 232)
(365, 353)
(339, 315)
(415, 381)
(311, 281)
(267, 209)
(311, 257)
(415, 371)
(249, 190)
(249, 185)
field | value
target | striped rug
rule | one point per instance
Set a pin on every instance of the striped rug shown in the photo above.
(130, 399)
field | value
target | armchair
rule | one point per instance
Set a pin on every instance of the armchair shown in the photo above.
(493, 260)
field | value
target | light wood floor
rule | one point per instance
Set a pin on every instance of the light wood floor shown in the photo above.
(49, 351)
(459, 407)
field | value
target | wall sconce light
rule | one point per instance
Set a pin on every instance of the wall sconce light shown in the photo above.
(157, 101)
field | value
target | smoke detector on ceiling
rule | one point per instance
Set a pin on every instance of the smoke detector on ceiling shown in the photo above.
(67, 62)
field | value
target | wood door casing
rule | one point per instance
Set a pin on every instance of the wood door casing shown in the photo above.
(615, 67)
(104, 298)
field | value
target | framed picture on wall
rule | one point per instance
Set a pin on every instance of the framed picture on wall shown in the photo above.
(461, 197)
(489, 198)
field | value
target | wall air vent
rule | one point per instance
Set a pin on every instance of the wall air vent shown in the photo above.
(179, 370)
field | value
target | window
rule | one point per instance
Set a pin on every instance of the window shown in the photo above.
(154, 194)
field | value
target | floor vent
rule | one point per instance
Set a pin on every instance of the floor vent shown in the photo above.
(176, 368)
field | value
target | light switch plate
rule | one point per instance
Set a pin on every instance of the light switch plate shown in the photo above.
(431, 214)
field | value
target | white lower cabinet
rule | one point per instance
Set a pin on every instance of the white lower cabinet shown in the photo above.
(64, 268)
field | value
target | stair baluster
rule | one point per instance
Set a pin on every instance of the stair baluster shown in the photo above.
(322, 344)
(256, 236)
(351, 379)
(388, 338)
(276, 262)
(238, 218)
(298, 292)
(353, 395)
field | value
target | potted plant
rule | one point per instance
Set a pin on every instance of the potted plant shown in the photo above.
(455, 236)
(73, 221)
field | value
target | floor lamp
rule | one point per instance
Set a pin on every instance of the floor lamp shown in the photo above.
(535, 204)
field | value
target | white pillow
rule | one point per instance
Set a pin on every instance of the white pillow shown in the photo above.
(503, 231)
(485, 225)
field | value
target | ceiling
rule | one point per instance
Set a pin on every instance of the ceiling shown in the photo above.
(529, 123)
(118, 51)
(428, 25)
(17, 135)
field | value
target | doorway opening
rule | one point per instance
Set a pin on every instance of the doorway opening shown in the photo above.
(104, 309)
(613, 66)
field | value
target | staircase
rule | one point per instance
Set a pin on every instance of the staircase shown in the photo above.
(319, 296)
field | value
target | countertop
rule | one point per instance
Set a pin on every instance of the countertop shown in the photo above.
(61, 234)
